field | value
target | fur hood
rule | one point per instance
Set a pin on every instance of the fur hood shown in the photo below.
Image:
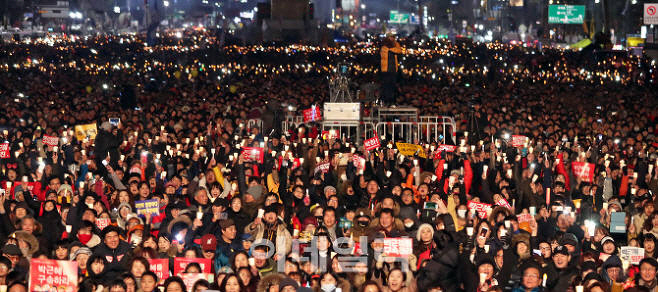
(269, 280)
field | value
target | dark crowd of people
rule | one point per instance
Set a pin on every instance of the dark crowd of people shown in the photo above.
(550, 185)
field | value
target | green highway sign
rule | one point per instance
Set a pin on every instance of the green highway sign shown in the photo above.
(566, 14)
(398, 17)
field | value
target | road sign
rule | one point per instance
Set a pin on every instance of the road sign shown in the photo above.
(566, 14)
(650, 13)
(398, 17)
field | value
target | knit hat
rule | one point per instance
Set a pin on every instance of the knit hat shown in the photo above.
(329, 188)
(79, 251)
(288, 282)
(255, 191)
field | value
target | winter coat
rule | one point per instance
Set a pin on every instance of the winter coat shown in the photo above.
(117, 259)
(283, 238)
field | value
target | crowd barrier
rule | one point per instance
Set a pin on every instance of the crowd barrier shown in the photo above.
(441, 129)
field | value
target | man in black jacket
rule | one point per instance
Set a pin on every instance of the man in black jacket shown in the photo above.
(107, 144)
(115, 251)
(560, 273)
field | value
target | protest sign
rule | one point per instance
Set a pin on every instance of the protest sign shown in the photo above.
(408, 149)
(519, 140)
(583, 170)
(50, 141)
(86, 131)
(253, 154)
(371, 144)
(312, 114)
(617, 222)
(481, 208)
(504, 203)
(524, 220)
(148, 207)
(160, 267)
(632, 254)
(101, 223)
(181, 263)
(446, 148)
(52, 275)
(398, 247)
(4, 150)
(323, 167)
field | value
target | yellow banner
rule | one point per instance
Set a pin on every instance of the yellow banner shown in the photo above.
(84, 131)
(408, 149)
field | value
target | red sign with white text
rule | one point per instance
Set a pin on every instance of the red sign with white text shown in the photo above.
(481, 208)
(181, 263)
(50, 141)
(4, 150)
(160, 267)
(519, 140)
(253, 154)
(52, 275)
(583, 170)
(371, 144)
(312, 115)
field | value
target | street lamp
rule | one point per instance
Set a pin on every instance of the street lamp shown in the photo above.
(117, 9)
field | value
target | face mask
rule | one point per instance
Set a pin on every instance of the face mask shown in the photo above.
(409, 225)
(84, 238)
(328, 287)
(90, 205)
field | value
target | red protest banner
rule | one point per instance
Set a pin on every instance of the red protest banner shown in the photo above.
(481, 208)
(519, 140)
(371, 144)
(4, 150)
(50, 141)
(101, 223)
(312, 114)
(181, 263)
(446, 148)
(160, 267)
(583, 170)
(398, 247)
(52, 275)
(324, 167)
(443, 147)
(253, 154)
(504, 203)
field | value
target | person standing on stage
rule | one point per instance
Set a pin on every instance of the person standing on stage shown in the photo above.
(389, 68)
